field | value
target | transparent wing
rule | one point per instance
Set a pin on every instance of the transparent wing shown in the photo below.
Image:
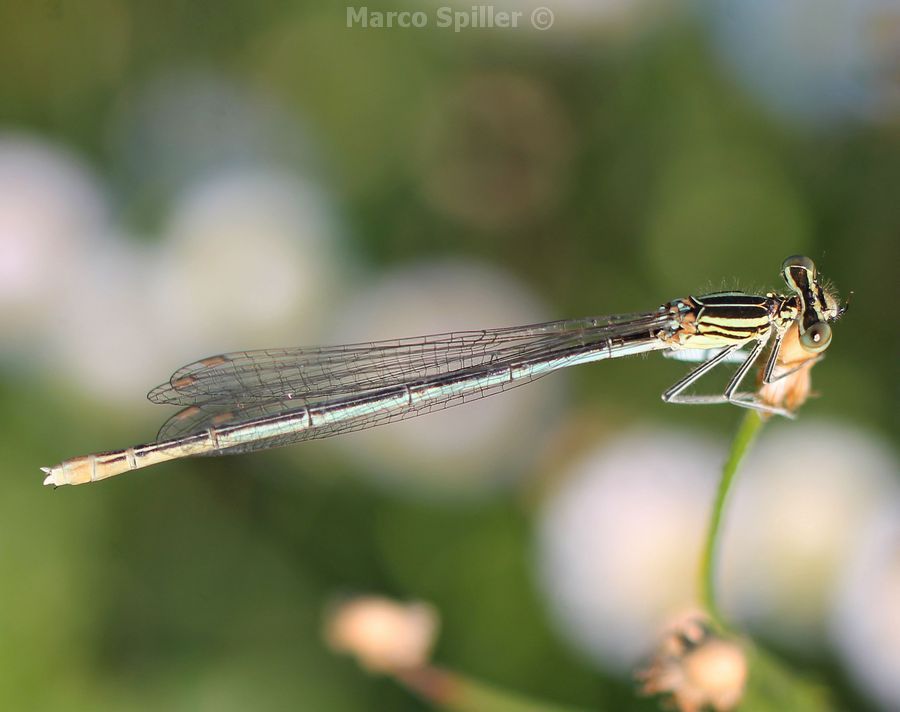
(197, 418)
(243, 387)
(285, 374)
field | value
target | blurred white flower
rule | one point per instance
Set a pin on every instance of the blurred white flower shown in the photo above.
(462, 448)
(817, 61)
(619, 542)
(250, 259)
(865, 627)
(52, 217)
(103, 336)
(801, 504)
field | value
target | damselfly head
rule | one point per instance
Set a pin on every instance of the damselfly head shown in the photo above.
(818, 302)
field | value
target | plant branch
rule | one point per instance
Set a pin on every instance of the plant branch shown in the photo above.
(748, 430)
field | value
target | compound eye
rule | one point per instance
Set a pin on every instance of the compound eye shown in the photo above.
(816, 338)
(800, 261)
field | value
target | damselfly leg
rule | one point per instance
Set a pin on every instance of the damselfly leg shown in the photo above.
(676, 394)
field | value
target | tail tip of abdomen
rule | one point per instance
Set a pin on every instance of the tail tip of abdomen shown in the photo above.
(51, 480)
(74, 471)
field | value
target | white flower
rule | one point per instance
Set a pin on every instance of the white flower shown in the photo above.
(52, 218)
(817, 61)
(249, 260)
(801, 505)
(618, 544)
(865, 627)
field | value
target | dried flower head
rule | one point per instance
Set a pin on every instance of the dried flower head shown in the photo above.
(696, 669)
(384, 635)
(792, 383)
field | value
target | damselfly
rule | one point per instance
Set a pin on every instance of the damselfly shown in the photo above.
(255, 400)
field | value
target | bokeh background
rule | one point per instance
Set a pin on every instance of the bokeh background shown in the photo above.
(181, 179)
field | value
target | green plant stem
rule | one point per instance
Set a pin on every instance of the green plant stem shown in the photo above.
(447, 690)
(749, 428)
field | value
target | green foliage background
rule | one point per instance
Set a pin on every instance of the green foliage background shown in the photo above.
(200, 587)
